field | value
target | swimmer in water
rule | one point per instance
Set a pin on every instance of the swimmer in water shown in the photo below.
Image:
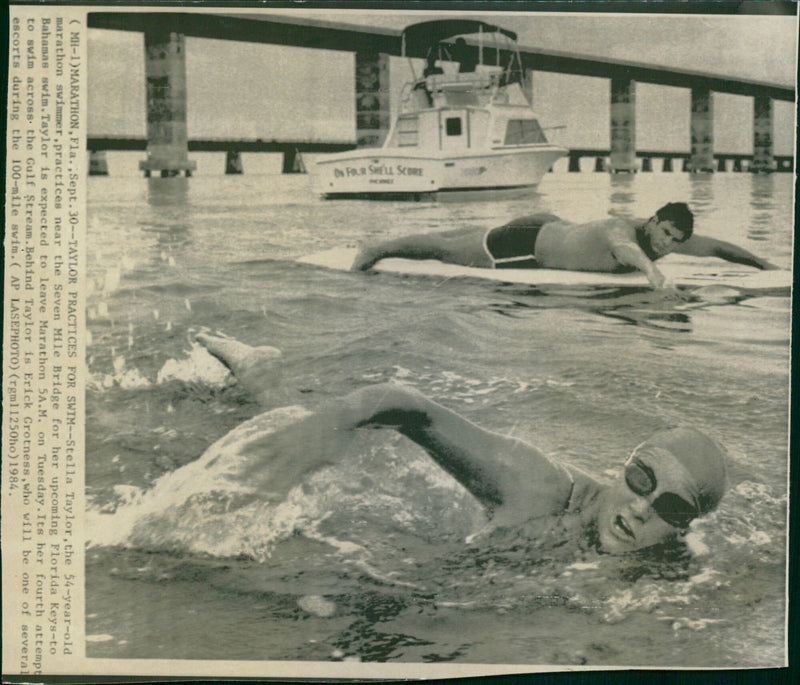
(545, 241)
(675, 476)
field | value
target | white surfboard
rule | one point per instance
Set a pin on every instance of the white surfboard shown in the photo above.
(683, 271)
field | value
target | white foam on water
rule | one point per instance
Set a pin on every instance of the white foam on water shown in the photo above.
(740, 525)
(317, 605)
(693, 624)
(584, 566)
(204, 507)
(199, 366)
(452, 386)
(132, 379)
(642, 597)
(100, 637)
(122, 376)
(694, 541)
(759, 537)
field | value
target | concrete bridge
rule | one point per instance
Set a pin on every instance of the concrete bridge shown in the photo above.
(165, 72)
(292, 150)
(723, 161)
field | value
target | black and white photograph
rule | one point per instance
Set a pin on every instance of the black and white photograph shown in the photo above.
(451, 338)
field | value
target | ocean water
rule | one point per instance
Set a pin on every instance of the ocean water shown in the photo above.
(367, 560)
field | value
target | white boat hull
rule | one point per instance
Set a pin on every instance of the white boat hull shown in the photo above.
(395, 172)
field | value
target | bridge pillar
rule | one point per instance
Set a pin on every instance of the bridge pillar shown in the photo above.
(667, 165)
(686, 164)
(763, 159)
(702, 131)
(574, 163)
(98, 163)
(647, 164)
(737, 164)
(372, 98)
(721, 164)
(233, 162)
(599, 164)
(293, 162)
(165, 76)
(623, 125)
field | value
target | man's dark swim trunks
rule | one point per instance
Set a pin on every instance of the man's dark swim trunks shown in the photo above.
(513, 245)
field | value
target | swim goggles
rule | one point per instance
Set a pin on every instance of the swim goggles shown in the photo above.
(672, 508)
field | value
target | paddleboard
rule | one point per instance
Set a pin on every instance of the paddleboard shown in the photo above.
(683, 271)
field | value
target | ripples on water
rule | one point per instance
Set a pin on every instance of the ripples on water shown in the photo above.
(367, 561)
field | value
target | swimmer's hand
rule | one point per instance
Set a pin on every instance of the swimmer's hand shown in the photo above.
(277, 462)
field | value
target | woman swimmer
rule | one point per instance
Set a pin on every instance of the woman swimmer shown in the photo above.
(675, 476)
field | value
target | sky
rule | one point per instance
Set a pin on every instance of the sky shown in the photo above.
(256, 90)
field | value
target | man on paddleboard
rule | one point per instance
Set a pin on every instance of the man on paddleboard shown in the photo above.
(675, 476)
(614, 245)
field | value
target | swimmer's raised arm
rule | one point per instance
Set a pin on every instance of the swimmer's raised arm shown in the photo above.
(501, 472)
(702, 246)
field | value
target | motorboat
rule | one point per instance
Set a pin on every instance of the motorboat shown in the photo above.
(463, 123)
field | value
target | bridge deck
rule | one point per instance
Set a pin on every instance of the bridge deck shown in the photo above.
(307, 33)
(99, 142)
(122, 143)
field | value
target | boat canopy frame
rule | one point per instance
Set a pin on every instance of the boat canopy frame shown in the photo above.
(435, 37)
(417, 39)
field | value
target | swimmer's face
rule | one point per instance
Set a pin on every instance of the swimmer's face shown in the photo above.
(663, 236)
(653, 501)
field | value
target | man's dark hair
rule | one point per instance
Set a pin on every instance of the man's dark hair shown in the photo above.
(680, 215)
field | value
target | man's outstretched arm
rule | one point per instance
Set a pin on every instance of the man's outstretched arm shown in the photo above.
(702, 246)
(627, 251)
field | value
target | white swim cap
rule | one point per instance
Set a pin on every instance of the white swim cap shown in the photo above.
(702, 457)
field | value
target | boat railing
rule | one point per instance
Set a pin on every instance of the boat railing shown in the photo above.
(460, 82)
(477, 88)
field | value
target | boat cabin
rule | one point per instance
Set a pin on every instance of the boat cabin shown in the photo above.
(469, 95)
(463, 125)
(465, 128)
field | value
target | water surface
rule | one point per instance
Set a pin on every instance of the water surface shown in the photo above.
(368, 561)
